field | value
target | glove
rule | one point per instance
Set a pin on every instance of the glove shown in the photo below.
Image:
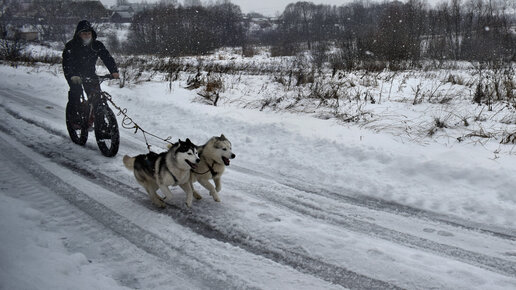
(76, 80)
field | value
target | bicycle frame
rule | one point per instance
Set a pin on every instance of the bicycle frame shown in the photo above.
(96, 91)
(96, 114)
(96, 95)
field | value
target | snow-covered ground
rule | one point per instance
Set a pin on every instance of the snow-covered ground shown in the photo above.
(308, 203)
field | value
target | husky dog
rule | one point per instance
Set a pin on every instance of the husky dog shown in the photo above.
(215, 156)
(173, 167)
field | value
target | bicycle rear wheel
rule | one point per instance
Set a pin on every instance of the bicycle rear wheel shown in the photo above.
(76, 124)
(106, 130)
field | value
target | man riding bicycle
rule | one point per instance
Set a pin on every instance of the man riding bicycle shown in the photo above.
(79, 58)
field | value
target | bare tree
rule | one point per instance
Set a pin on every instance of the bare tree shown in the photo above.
(55, 19)
(11, 49)
(7, 10)
(297, 20)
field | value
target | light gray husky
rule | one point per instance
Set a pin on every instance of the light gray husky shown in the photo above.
(215, 156)
(173, 167)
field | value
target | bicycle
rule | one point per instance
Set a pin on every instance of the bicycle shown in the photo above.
(104, 121)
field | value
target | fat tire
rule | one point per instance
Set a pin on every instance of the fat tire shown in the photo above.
(106, 126)
(82, 137)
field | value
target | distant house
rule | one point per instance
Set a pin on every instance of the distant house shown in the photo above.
(258, 22)
(125, 13)
(93, 9)
(121, 17)
(25, 4)
(139, 7)
(123, 8)
(23, 32)
(27, 35)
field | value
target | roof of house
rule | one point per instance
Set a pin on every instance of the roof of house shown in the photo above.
(122, 8)
(123, 14)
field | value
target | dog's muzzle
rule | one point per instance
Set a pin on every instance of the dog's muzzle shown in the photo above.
(192, 165)
(226, 160)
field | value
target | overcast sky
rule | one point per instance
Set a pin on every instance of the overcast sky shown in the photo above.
(266, 7)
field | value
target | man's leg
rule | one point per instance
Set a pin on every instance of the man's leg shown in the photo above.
(74, 100)
(92, 90)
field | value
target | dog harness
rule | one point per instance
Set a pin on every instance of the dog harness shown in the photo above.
(150, 164)
(166, 167)
(210, 170)
(173, 176)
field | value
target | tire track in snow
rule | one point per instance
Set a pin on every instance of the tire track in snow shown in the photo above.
(387, 206)
(296, 260)
(360, 201)
(71, 221)
(477, 259)
(206, 228)
(135, 234)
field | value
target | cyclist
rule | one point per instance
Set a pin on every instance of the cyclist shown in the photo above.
(79, 58)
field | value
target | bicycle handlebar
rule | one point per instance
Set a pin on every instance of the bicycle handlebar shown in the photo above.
(106, 76)
(100, 78)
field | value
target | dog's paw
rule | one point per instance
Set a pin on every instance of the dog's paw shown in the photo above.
(218, 188)
(188, 204)
(197, 195)
(215, 197)
(160, 203)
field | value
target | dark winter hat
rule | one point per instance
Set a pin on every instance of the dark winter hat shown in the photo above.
(84, 26)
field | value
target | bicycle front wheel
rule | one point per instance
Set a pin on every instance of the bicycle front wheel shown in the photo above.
(106, 131)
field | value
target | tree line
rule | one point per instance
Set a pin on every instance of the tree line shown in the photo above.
(458, 30)
(481, 30)
(391, 31)
(172, 30)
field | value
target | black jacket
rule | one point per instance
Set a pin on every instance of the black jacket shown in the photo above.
(80, 60)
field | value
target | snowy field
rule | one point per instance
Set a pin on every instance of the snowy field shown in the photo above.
(309, 203)
(433, 104)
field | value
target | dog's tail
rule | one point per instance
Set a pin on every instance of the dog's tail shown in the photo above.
(129, 162)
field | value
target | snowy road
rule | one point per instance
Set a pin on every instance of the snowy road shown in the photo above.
(272, 230)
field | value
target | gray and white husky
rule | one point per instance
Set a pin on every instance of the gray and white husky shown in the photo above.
(215, 156)
(173, 167)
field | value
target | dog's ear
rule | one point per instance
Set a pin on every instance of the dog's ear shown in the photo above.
(187, 141)
(222, 137)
